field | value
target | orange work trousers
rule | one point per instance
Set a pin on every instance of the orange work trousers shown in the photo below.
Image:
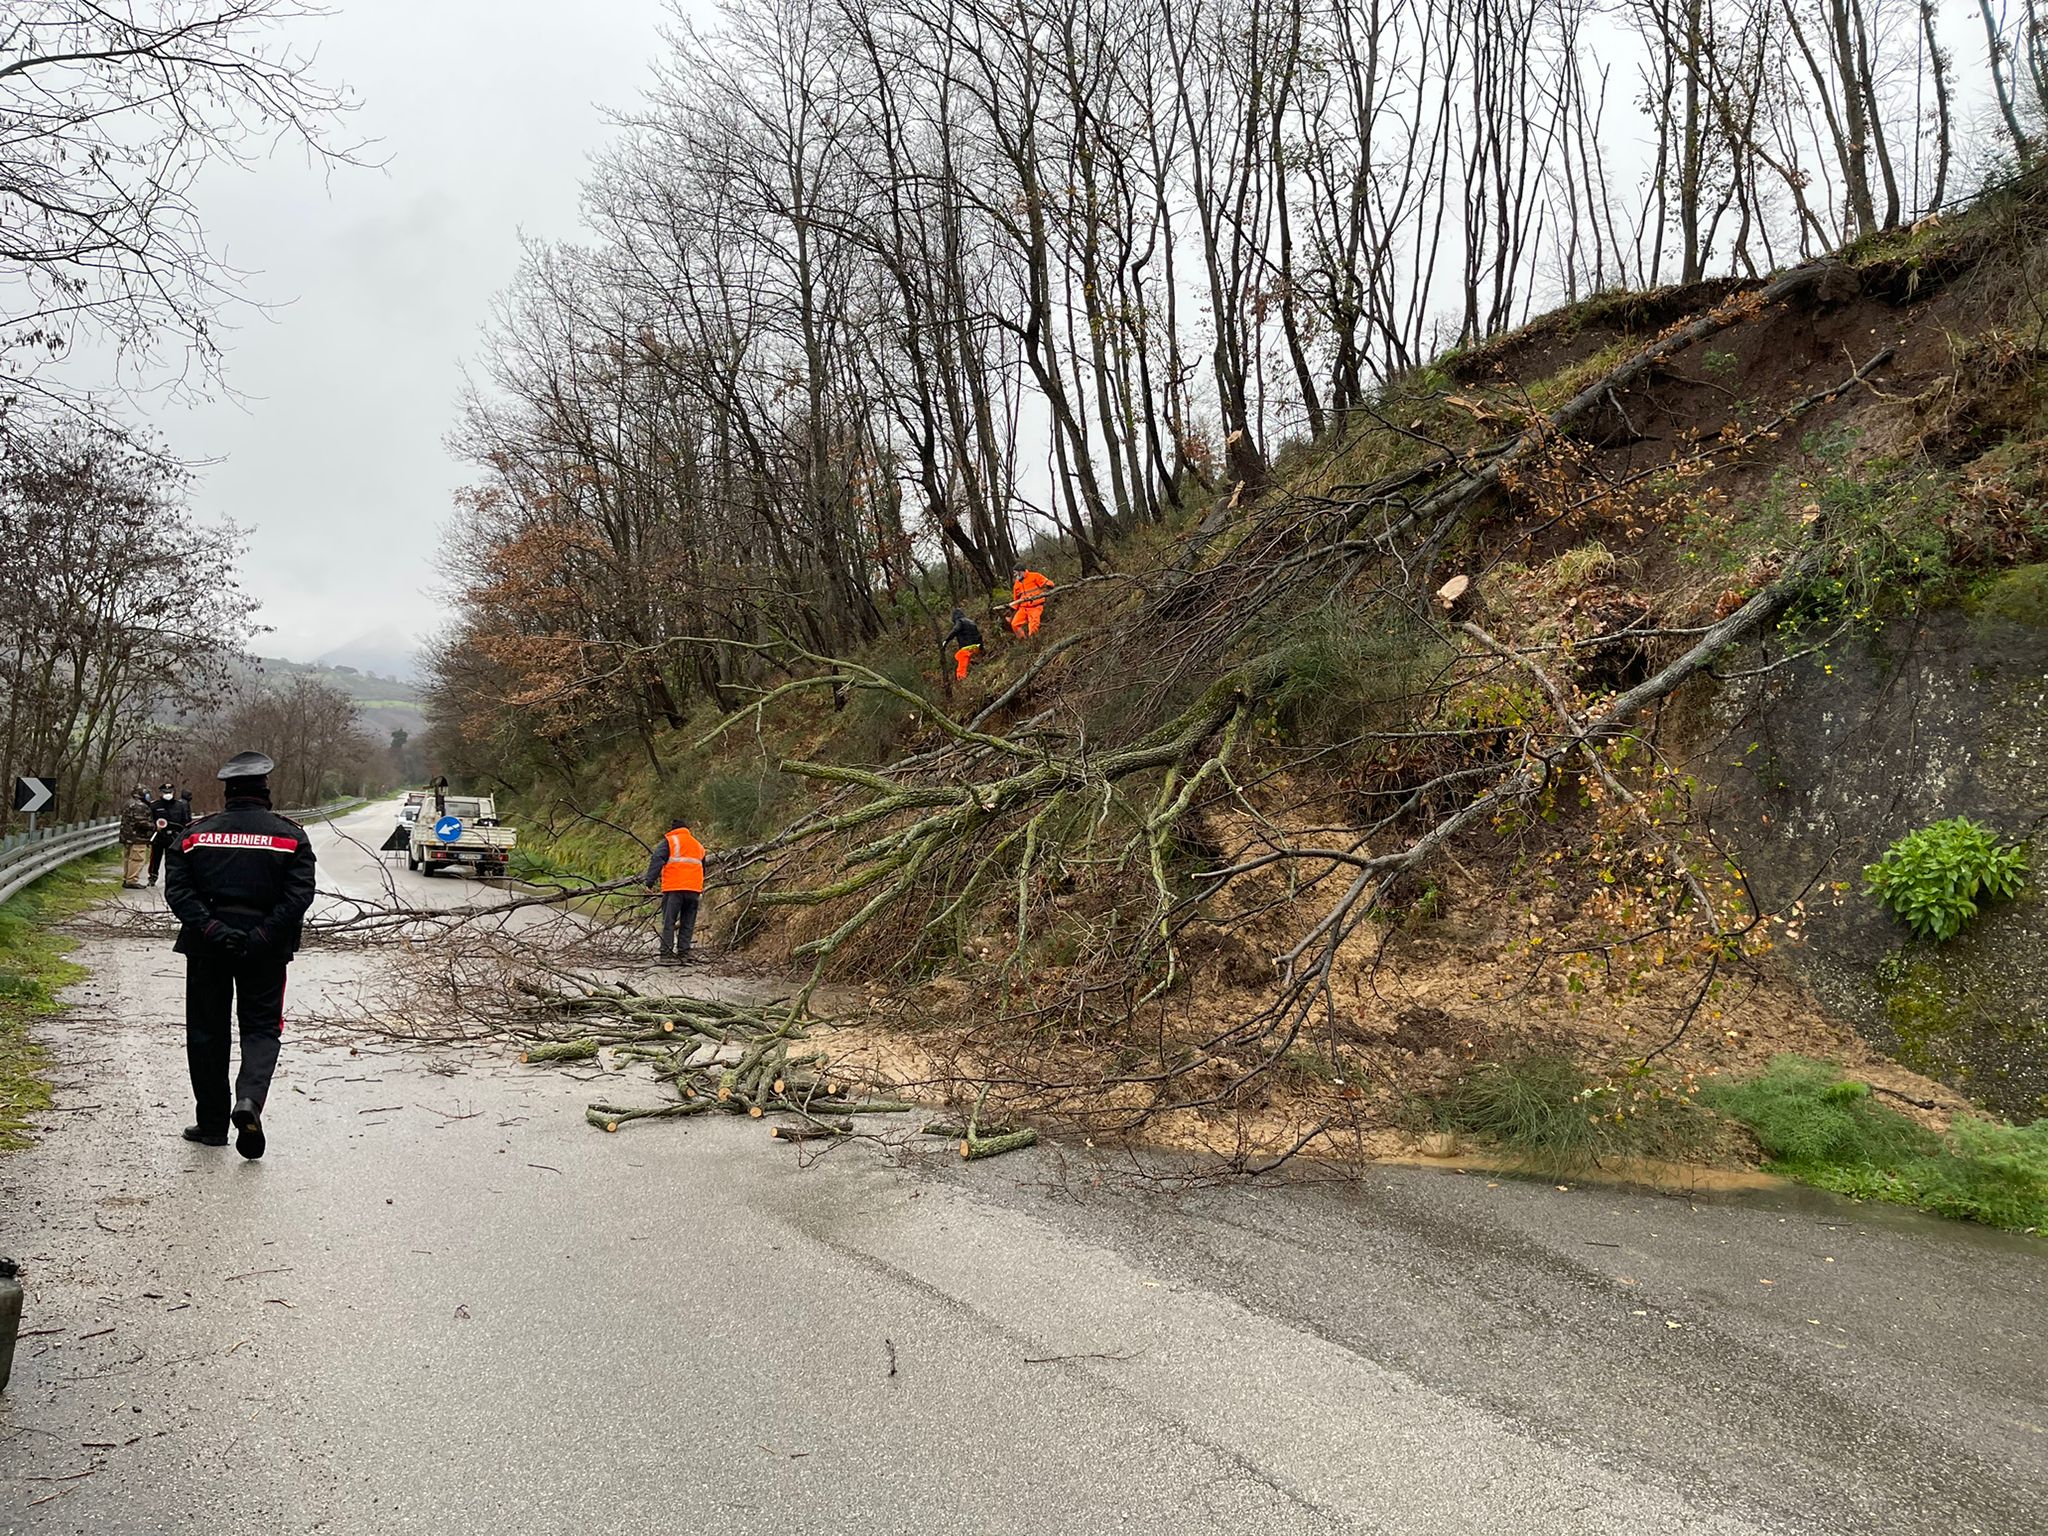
(961, 658)
(1024, 618)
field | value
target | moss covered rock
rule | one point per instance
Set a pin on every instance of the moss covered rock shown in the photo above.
(1818, 766)
(2018, 596)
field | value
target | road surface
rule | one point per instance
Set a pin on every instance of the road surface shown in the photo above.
(445, 1304)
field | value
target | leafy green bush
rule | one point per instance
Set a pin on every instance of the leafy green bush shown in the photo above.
(1820, 1126)
(1933, 878)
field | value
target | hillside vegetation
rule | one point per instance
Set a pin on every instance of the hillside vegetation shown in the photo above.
(1297, 815)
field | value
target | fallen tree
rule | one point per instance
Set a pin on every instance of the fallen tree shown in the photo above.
(964, 847)
(1070, 846)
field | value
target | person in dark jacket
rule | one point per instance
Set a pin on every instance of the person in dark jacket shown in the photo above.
(138, 831)
(676, 867)
(964, 641)
(240, 883)
(170, 816)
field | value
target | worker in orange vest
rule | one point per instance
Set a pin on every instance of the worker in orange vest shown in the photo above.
(677, 868)
(1027, 600)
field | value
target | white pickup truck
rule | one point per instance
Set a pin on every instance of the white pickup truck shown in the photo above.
(457, 830)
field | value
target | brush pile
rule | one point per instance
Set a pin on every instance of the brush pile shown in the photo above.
(715, 1057)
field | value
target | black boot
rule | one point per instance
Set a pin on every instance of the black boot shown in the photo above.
(248, 1129)
(204, 1137)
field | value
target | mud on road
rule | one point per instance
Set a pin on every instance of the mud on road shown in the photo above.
(445, 1303)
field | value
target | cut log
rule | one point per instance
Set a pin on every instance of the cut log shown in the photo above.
(609, 1117)
(562, 1050)
(811, 1131)
(973, 1148)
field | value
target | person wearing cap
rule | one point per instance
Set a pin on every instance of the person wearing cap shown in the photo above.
(138, 831)
(240, 882)
(169, 816)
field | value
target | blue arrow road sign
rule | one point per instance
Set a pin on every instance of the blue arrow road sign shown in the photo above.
(448, 829)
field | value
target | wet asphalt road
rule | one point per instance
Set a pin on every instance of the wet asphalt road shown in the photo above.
(443, 1303)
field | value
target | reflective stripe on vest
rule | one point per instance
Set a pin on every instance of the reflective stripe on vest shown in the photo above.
(684, 870)
(258, 840)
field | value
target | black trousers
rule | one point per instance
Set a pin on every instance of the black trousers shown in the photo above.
(157, 846)
(215, 985)
(678, 921)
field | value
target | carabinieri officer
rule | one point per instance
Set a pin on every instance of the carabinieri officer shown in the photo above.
(240, 882)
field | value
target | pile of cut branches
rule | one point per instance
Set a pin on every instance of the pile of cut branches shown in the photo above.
(714, 1056)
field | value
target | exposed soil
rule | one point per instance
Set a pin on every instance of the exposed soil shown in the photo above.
(1468, 966)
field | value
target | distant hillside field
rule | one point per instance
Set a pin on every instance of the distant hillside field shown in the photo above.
(388, 703)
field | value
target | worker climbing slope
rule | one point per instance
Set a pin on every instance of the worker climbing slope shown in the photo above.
(964, 641)
(1027, 600)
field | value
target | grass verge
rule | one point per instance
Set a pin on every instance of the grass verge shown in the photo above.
(1818, 1125)
(32, 971)
(1548, 1117)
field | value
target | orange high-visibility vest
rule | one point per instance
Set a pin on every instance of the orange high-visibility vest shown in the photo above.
(684, 870)
(1029, 586)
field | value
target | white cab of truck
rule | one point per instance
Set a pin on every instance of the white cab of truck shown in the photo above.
(459, 832)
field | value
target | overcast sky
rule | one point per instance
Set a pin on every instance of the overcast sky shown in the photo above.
(488, 111)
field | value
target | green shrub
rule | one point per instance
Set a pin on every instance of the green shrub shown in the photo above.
(1934, 878)
(1818, 1125)
(1342, 669)
(1530, 1107)
(1550, 1117)
(743, 807)
(1806, 1114)
(871, 725)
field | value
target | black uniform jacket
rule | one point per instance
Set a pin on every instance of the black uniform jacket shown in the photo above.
(246, 867)
(175, 814)
(964, 632)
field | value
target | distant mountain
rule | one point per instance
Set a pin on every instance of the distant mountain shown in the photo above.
(387, 651)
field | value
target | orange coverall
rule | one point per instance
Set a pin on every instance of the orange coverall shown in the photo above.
(1027, 602)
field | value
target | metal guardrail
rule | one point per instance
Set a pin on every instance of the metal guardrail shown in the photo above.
(25, 857)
